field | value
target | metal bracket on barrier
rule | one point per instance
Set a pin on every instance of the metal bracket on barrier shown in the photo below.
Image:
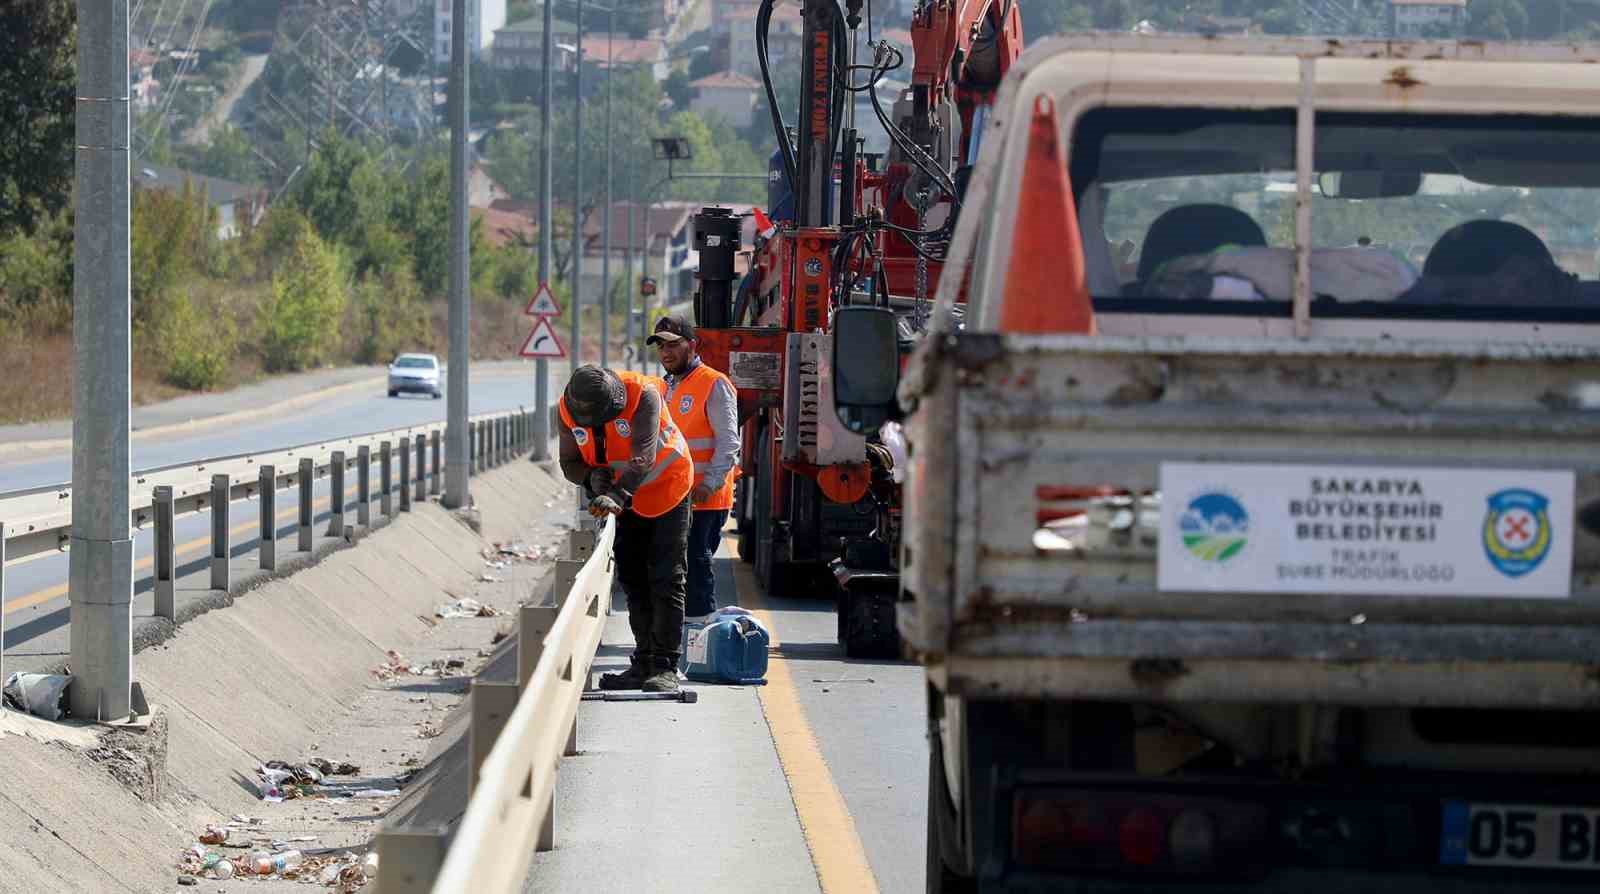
(409, 860)
(492, 704)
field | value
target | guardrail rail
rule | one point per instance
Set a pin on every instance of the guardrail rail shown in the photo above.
(519, 731)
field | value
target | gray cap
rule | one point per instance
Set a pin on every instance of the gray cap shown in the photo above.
(594, 395)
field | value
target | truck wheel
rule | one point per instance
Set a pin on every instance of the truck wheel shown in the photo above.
(763, 528)
(866, 623)
(747, 536)
(942, 830)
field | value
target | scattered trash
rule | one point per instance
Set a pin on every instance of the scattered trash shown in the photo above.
(393, 667)
(331, 768)
(428, 731)
(455, 663)
(37, 694)
(496, 565)
(466, 608)
(187, 881)
(213, 835)
(488, 579)
(516, 551)
(499, 635)
(418, 698)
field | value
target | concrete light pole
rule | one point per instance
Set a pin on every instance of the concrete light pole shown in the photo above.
(457, 432)
(541, 415)
(576, 352)
(100, 564)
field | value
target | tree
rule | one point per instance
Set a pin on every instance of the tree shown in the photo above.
(678, 90)
(173, 238)
(38, 86)
(229, 156)
(300, 320)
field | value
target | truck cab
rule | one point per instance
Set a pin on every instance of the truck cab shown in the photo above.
(1279, 575)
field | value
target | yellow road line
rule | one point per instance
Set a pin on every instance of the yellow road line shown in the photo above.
(836, 852)
(40, 597)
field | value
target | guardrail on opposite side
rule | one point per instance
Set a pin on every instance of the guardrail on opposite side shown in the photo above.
(37, 522)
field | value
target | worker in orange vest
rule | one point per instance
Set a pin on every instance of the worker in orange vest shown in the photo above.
(705, 405)
(620, 444)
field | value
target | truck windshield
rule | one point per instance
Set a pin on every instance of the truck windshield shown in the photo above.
(1412, 215)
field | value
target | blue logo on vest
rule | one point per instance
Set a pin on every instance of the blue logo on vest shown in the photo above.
(1516, 531)
(581, 435)
(685, 404)
(623, 428)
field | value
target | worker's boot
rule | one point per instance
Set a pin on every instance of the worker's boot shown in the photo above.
(632, 678)
(663, 676)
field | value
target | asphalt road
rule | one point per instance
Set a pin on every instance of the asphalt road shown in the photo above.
(813, 782)
(35, 609)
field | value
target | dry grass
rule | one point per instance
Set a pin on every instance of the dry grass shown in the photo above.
(36, 374)
(36, 370)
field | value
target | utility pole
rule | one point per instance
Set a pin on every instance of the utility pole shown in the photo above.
(541, 416)
(627, 262)
(458, 447)
(577, 198)
(605, 217)
(100, 563)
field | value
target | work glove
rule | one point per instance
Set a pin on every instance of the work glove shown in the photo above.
(600, 507)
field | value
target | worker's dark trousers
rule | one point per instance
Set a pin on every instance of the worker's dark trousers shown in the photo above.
(651, 554)
(704, 538)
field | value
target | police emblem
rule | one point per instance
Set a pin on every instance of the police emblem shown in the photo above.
(623, 428)
(686, 403)
(581, 435)
(1516, 531)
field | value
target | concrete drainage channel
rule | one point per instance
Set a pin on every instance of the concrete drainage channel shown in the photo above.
(302, 673)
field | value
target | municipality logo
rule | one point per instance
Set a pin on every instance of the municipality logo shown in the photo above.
(581, 435)
(622, 428)
(686, 404)
(1516, 531)
(1215, 527)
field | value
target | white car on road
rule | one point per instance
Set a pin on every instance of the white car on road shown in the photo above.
(415, 374)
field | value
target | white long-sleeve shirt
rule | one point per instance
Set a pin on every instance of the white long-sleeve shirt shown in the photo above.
(722, 411)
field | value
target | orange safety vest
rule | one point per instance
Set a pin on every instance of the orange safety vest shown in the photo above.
(688, 408)
(665, 485)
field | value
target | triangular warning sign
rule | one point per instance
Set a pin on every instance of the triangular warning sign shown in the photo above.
(543, 342)
(543, 303)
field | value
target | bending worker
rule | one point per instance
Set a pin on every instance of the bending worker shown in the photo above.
(705, 406)
(619, 443)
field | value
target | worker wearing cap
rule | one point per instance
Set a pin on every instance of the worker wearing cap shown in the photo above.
(620, 444)
(705, 406)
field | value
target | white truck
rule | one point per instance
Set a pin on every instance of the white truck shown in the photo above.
(1284, 579)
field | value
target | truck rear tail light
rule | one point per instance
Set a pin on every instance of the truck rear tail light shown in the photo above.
(1142, 837)
(1134, 833)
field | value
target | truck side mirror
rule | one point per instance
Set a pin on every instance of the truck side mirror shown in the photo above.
(866, 366)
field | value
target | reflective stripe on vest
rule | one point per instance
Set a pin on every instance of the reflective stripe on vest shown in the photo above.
(687, 403)
(667, 482)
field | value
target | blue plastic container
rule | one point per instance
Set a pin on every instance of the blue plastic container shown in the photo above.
(730, 649)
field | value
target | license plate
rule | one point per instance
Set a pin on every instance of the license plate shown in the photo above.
(1520, 835)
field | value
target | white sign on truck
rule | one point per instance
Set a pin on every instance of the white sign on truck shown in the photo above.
(1279, 528)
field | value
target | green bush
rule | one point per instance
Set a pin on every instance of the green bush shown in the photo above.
(299, 322)
(195, 349)
(390, 316)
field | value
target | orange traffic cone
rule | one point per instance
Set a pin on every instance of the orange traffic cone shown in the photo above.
(1047, 289)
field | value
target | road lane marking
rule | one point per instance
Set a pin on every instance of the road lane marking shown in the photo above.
(837, 855)
(40, 597)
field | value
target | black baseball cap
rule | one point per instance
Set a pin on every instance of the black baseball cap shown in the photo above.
(671, 329)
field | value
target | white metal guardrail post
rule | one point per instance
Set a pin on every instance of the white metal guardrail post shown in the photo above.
(336, 494)
(364, 486)
(307, 479)
(165, 554)
(405, 476)
(433, 479)
(420, 490)
(268, 535)
(220, 485)
(386, 478)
